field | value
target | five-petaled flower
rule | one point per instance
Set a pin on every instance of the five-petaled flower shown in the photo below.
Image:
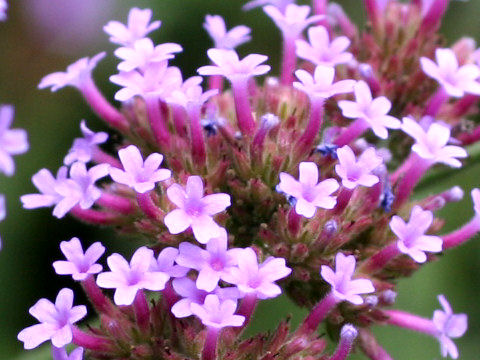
(165, 262)
(46, 184)
(223, 39)
(12, 141)
(83, 148)
(217, 314)
(355, 172)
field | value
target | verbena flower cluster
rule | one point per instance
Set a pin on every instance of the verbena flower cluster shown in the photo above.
(298, 185)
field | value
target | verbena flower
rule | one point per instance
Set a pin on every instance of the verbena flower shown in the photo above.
(83, 148)
(223, 39)
(61, 354)
(165, 262)
(12, 141)
(217, 314)
(46, 183)
(355, 172)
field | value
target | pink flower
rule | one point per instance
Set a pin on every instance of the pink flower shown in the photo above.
(137, 174)
(450, 326)
(143, 52)
(83, 148)
(253, 278)
(55, 321)
(320, 51)
(46, 184)
(432, 145)
(61, 354)
(138, 27)
(308, 192)
(12, 141)
(455, 80)
(228, 64)
(321, 85)
(165, 262)
(77, 74)
(343, 287)
(127, 278)
(280, 4)
(191, 94)
(412, 240)
(217, 314)
(195, 210)
(223, 39)
(357, 173)
(212, 264)
(79, 264)
(372, 111)
(293, 20)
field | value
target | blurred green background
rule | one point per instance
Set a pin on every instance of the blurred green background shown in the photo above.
(42, 36)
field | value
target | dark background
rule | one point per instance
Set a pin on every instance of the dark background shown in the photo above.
(43, 36)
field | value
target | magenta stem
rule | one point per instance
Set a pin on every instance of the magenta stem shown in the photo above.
(179, 120)
(318, 314)
(373, 12)
(209, 351)
(245, 120)
(417, 169)
(407, 163)
(169, 295)
(215, 82)
(101, 157)
(343, 198)
(247, 308)
(142, 312)
(462, 106)
(352, 132)
(294, 221)
(436, 102)
(199, 153)
(102, 107)
(94, 217)
(116, 203)
(432, 19)
(462, 235)
(411, 322)
(305, 142)
(344, 348)
(470, 137)
(381, 258)
(146, 204)
(91, 342)
(158, 122)
(373, 197)
(289, 60)
(371, 348)
(258, 143)
(98, 299)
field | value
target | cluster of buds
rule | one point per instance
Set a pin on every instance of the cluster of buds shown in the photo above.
(301, 185)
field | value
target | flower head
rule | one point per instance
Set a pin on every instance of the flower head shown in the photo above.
(165, 262)
(83, 148)
(308, 192)
(138, 174)
(55, 321)
(450, 326)
(293, 20)
(127, 278)
(195, 210)
(372, 111)
(138, 26)
(217, 314)
(412, 240)
(46, 184)
(253, 278)
(456, 80)
(229, 65)
(212, 264)
(76, 75)
(143, 52)
(79, 264)
(191, 94)
(343, 287)
(61, 354)
(357, 172)
(12, 141)
(432, 145)
(223, 39)
(321, 85)
(320, 51)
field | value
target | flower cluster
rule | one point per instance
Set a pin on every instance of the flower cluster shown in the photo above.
(299, 185)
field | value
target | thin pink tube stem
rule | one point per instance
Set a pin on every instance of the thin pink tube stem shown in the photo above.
(199, 152)
(318, 314)
(436, 102)
(158, 123)
(352, 132)
(209, 351)
(411, 322)
(381, 258)
(462, 235)
(241, 96)
(305, 143)
(289, 60)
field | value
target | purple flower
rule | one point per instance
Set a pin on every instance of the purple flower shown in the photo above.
(61, 354)
(3, 10)
(157, 80)
(76, 75)
(83, 148)
(455, 80)
(293, 20)
(137, 174)
(450, 326)
(372, 111)
(432, 145)
(127, 278)
(280, 4)
(223, 39)
(195, 210)
(343, 287)
(80, 188)
(187, 288)
(138, 26)
(143, 52)
(357, 173)
(46, 184)
(321, 85)
(12, 141)
(228, 64)
(253, 278)
(55, 321)
(412, 240)
(212, 264)
(191, 94)
(165, 262)
(320, 51)
(79, 264)
(217, 314)
(308, 192)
